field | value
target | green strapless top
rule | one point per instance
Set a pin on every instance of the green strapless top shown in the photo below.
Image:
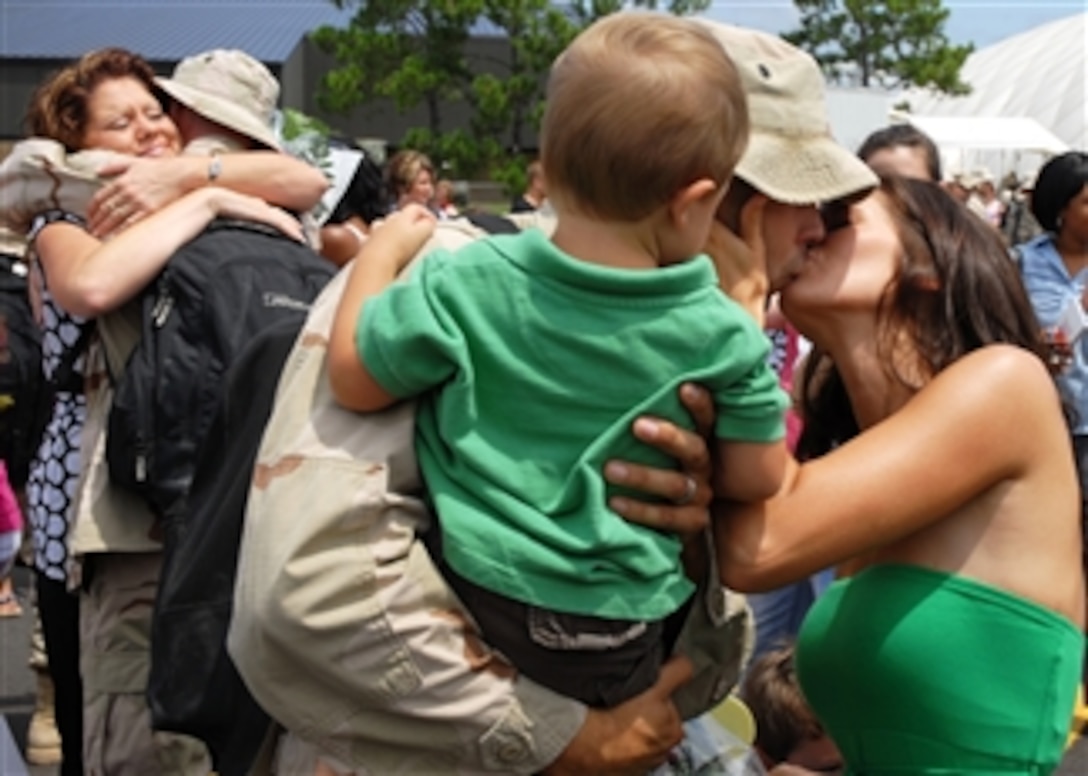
(915, 671)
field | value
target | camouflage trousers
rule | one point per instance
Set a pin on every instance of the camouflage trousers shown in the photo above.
(717, 638)
(115, 643)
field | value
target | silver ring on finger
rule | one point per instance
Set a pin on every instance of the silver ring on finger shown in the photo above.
(691, 487)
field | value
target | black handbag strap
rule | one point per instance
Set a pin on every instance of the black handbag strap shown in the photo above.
(65, 378)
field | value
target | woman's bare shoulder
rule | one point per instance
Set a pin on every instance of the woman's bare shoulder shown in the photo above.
(1001, 369)
(1002, 381)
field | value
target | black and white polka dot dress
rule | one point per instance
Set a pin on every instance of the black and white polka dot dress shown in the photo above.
(54, 473)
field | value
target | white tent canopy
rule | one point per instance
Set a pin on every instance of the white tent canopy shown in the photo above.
(1040, 74)
(997, 133)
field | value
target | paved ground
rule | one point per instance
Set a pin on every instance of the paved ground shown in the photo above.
(16, 678)
(17, 694)
(1076, 760)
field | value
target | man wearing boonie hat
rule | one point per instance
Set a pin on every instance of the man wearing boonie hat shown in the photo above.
(223, 101)
(794, 165)
(792, 158)
(226, 101)
(412, 689)
(231, 90)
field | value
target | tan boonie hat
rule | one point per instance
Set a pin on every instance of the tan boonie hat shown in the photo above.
(228, 87)
(791, 155)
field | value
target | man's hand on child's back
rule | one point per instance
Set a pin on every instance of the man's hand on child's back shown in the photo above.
(677, 500)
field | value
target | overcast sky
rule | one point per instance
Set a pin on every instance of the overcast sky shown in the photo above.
(981, 22)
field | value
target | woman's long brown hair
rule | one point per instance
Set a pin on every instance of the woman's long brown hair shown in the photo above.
(956, 291)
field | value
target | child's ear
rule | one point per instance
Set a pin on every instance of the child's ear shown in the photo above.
(696, 194)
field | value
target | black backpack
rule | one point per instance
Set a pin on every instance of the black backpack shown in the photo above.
(217, 293)
(21, 382)
(193, 686)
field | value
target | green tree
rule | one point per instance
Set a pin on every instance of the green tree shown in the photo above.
(413, 52)
(892, 43)
(538, 30)
(408, 51)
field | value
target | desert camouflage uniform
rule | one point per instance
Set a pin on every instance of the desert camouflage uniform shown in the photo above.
(345, 632)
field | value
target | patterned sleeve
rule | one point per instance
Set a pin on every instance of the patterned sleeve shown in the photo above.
(43, 220)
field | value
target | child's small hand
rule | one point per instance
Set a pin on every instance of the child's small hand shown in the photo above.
(740, 259)
(401, 235)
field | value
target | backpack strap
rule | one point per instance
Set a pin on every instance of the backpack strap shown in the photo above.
(65, 378)
(219, 224)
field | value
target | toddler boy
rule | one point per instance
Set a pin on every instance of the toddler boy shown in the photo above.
(534, 356)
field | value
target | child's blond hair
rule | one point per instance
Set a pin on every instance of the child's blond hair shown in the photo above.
(639, 106)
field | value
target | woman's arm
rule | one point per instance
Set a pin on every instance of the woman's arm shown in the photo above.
(340, 243)
(143, 186)
(943, 448)
(89, 277)
(389, 249)
(950, 443)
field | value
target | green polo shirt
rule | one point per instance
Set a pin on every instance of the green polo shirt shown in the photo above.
(531, 366)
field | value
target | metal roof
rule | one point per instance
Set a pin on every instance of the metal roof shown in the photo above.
(166, 30)
(161, 30)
